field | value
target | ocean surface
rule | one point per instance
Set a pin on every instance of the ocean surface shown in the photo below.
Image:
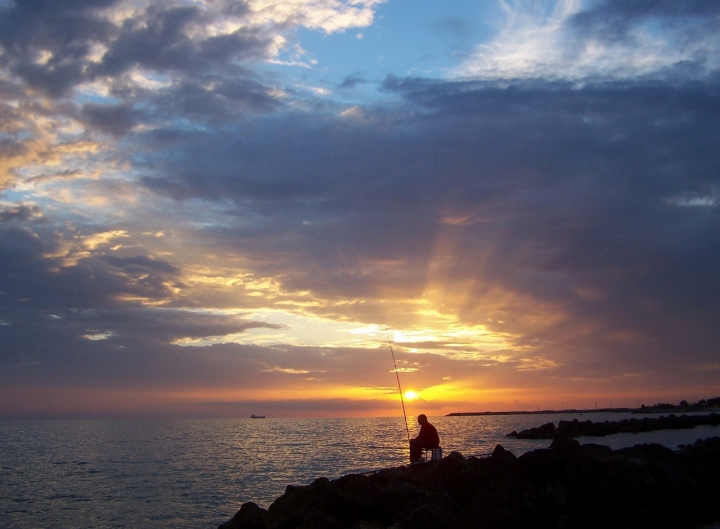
(197, 473)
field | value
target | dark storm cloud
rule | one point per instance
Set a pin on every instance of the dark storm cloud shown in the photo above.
(139, 328)
(351, 81)
(581, 219)
(33, 282)
(47, 305)
(141, 265)
(156, 39)
(213, 99)
(111, 119)
(65, 28)
(654, 8)
(587, 177)
(134, 361)
(159, 41)
(19, 213)
(40, 7)
(204, 99)
(613, 20)
(103, 365)
(10, 148)
(571, 196)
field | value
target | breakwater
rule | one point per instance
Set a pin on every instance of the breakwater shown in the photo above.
(576, 428)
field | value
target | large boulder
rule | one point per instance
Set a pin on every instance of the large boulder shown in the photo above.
(546, 431)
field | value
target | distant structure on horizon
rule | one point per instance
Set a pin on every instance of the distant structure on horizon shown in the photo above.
(253, 416)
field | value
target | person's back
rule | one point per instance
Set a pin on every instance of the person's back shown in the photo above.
(427, 438)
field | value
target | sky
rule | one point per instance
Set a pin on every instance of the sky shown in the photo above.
(212, 208)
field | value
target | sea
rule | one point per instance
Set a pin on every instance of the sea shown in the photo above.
(196, 474)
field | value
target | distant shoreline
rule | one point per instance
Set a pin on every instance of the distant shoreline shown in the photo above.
(688, 409)
(538, 412)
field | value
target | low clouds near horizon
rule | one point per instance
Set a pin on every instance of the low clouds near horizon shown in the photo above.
(201, 214)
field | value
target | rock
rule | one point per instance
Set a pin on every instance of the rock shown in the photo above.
(562, 441)
(546, 431)
(499, 451)
(250, 516)
(588, 428)
(566, 486)
(431, 515)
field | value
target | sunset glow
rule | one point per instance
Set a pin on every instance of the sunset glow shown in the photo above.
(209, 210)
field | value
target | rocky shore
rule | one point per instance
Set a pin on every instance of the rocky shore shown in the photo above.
(565, 486)
(576, 428)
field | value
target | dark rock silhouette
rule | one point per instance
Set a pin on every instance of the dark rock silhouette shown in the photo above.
(565, 486)
(577, 428)
(546, 431)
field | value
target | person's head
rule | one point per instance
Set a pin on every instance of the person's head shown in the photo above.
(422, 419)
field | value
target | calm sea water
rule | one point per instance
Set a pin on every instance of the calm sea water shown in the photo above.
(197, 473)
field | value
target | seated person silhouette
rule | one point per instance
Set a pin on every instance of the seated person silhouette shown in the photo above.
(427, 438)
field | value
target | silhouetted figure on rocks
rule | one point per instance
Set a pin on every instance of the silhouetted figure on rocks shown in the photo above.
(427, 438)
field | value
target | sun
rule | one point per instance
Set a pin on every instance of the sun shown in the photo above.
(411, 395)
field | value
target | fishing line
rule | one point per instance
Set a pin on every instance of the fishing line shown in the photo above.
(398, 382)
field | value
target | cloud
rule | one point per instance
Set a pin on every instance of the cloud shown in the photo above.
(569, 195)
(19, 213)
(329, 15)
(47, 45)
(12, 154)
(112, 67)
(351, 81)
(178, 217)
(111, 119)
(161, 40)
(577, 252)
(611, 39)
(40, 142)
(57, 49)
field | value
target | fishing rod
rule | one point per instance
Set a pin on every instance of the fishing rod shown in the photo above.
(399, 388)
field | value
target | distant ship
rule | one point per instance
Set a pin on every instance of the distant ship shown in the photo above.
(253, 416)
